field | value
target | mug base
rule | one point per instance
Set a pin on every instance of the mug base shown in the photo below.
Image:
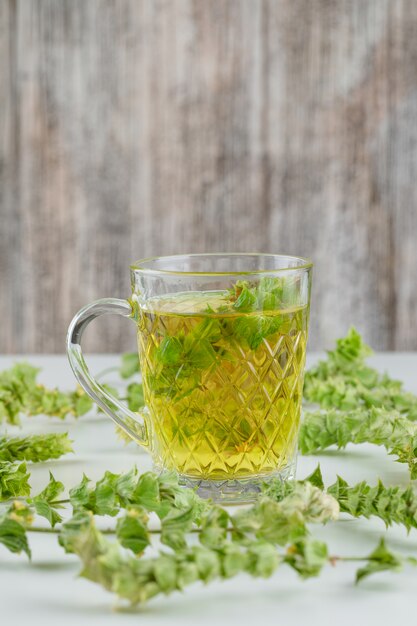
(235, 491)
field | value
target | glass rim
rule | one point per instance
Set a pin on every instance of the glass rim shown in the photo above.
(138, 266)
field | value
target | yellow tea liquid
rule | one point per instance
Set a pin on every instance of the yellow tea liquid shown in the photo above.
(222, 383)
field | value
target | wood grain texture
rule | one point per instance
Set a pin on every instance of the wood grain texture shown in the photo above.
(134, 128)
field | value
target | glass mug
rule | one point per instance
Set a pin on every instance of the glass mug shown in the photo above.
(222, 343)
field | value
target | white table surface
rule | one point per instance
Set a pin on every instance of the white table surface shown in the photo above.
(47, 590)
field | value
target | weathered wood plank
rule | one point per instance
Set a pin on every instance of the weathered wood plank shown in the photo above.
(133, 128)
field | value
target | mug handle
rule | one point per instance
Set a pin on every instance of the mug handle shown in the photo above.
(132, 423)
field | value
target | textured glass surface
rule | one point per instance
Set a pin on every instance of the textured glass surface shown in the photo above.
(223, 389)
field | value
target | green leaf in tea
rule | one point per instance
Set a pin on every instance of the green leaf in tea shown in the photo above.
(246, 299)
(170, 351)
(269, 293)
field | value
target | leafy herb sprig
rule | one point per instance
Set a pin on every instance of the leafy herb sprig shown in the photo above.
(271, 533)
(322, 429)
(14, 475)
(21, 394)
(393, 504)
(344, 381)
(34, 448)
(358, 405)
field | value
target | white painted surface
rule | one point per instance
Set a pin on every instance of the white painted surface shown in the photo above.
(46, 591)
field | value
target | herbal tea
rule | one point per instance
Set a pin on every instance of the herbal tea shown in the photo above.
(222, 375)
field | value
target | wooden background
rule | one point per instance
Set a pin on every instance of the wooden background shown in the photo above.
(133, 128)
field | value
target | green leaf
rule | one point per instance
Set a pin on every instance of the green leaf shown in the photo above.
(74, 531)
(135, 399)
(246, 300)
(132, 531)
(80, 494)
(170, 351)
(44, 509)
(44, 501)
(104, 499)
(130, 365)
(82, 405)
(263, 560)
(307, 557)
(146, 492)
(199, 353)
(13, 536)
(125, 485)
(267, 294)
(251, 330)
(316, 478)
(207, 562)
(380, 560)
(174, 526)
(14, 480)
(52, 490)
(233, 560)
(165, 572)
(214, 527)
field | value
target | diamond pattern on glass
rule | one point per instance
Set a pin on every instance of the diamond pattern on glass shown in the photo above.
(229, 411)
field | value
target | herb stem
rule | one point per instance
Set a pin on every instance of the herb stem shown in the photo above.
(107, 531)
(40, 529)
(350, 558)
(56, 531)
